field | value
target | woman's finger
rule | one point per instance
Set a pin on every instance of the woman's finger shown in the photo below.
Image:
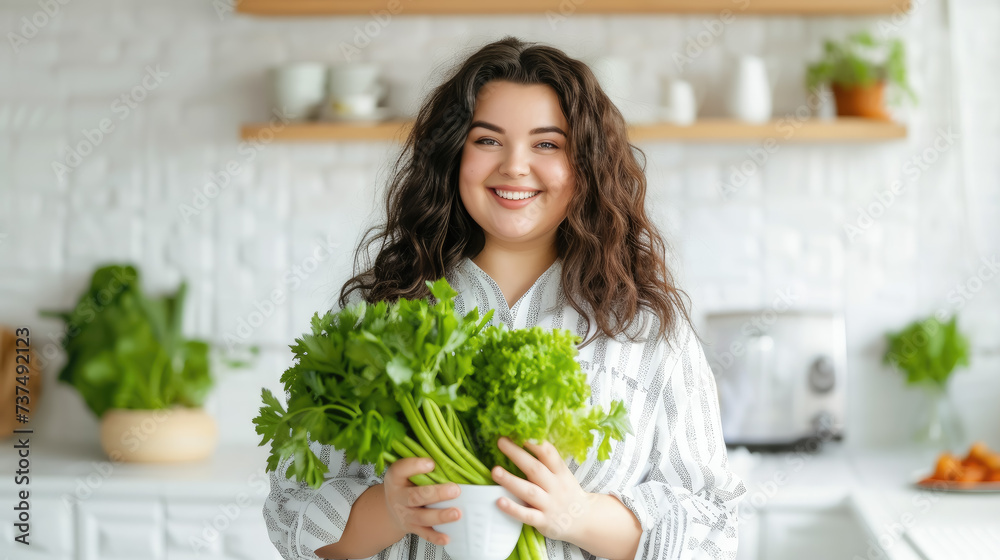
(527, 515)
(534, 469)
(431, 536)
(419, 496)
(401, 470)
(428, 517)
(529, 492)
(548, 455)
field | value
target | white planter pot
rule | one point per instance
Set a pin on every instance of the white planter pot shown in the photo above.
(173, 435)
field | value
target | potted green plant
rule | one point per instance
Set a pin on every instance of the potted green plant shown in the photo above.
(128, 359)
(857, 71)
(928, 351)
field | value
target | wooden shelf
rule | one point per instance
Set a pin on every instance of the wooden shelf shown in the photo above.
(784, 130)
(441, 7)
(325, 131)
(705, 130)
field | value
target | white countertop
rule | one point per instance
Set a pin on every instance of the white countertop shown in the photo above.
(55, 469)
(873, 484)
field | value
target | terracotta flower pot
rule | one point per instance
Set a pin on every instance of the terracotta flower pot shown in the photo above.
(857, 101)
(173, 435)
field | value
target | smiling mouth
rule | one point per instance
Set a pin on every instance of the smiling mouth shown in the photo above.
(515, 195)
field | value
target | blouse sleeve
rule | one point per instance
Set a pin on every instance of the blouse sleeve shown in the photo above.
(687, 504)
(301, 519)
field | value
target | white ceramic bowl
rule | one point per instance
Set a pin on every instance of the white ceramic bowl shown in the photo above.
(484, 531)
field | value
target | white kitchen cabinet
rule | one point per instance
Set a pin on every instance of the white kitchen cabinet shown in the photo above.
(821, 534)
(120, 529)
(142, 528)
(227, 530)
(85, 508)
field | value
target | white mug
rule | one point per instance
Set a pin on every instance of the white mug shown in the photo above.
(678, 105)
(749, 96)
(355, 78)
(298, 89)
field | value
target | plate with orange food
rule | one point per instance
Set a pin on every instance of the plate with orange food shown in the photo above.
(978, 471)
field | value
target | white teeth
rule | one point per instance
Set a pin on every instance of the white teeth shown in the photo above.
(514, 195)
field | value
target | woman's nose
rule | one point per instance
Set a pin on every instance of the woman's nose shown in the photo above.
(516, 163)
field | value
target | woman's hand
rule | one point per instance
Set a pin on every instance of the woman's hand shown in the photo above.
(556, 503)
(405, 500)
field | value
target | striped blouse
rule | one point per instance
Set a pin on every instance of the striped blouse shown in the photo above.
(671, 472)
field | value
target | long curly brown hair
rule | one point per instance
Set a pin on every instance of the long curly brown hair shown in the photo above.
(614, 259)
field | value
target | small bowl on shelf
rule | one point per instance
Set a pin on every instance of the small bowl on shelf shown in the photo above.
(483, 531)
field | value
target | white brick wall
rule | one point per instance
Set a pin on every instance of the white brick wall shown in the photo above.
(782, 229)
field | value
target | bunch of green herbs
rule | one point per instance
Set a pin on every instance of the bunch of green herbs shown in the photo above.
(413, 379)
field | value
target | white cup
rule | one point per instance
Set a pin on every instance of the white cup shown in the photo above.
(484, 531)
(353, 79)
(677, 100)
(298, 89)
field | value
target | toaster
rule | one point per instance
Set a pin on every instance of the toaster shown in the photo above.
(781, 377)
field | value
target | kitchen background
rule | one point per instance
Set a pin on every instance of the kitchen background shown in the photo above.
(784, 231)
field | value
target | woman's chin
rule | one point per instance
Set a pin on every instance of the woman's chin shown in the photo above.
(513, 234)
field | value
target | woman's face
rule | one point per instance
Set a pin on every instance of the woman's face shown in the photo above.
(517, 147)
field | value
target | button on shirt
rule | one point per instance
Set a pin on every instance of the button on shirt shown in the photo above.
(671, 472)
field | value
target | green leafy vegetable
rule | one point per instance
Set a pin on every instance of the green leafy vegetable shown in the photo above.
(365, 377)
(126, 350)
(532, 387)
(928, 351)
(382, 382)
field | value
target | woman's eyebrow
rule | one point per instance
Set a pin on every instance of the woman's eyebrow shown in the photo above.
(539, 130)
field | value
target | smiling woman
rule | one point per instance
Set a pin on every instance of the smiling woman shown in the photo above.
(515, 179)
(518, 184)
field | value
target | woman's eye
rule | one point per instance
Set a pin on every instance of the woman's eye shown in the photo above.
(492, 142)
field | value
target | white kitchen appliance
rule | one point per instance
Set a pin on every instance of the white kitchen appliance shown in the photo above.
(781, 376)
